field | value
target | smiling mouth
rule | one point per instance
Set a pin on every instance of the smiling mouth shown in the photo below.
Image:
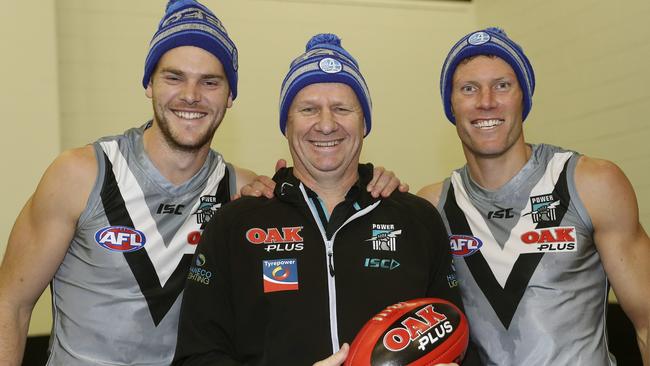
(189, 115)
(487, 123)
(326, 143)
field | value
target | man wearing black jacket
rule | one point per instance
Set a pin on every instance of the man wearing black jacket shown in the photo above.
(286, 281)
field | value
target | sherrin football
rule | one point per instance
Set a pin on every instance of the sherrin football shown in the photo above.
(417, 332)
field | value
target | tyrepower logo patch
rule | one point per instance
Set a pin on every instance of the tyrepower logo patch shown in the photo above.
(464, 245)
(556, 239)
(120, 239)
(284, 239)
(280, 275)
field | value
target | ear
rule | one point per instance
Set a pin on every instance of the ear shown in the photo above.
(229, 101)
(149, 91)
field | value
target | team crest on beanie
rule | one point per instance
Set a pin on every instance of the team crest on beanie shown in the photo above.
(490, 41)
(189, 23)
(324, 61)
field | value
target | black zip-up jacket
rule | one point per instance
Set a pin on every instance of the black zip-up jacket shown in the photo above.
(276, 282)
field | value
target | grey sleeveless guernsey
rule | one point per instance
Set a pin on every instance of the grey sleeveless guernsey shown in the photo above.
(533, 286)
(116, 294)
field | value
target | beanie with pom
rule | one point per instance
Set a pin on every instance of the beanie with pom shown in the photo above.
(189, 23)
(324, 61)
(490, 42)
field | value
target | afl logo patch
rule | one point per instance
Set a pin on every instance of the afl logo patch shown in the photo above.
(464, 245)
(120, 239)
(330, 65)
(478, 38)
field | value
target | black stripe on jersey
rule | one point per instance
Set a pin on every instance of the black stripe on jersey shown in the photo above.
(159, 298)
(505, 300)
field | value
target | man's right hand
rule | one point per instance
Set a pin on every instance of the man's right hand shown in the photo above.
(336, 359)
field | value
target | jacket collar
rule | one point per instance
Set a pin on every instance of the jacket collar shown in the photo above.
(288, 187)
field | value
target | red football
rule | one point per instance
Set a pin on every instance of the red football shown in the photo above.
(416, 332)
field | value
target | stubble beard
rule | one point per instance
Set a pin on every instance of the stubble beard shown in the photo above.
(173, 141)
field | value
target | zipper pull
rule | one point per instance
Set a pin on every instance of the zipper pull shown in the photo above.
(331, 263)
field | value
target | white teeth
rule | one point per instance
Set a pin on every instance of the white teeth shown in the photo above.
(488, 123)
(189, 115)
(325, 143)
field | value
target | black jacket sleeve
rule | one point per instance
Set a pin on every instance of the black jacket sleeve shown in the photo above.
(206, 327)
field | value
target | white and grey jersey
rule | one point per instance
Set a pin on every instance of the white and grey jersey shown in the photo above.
(116, 294)
(533, 285)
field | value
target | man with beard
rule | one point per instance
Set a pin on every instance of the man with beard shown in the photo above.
(113, 225)
(538, 232)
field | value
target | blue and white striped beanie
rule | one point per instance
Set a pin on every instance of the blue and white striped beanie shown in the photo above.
(489, 41)
(189, 23)
(324, 61)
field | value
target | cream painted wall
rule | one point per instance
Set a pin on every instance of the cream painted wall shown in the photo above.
(29, 101)
(590, 58)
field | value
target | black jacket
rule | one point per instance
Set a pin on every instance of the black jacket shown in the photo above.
(370, 253)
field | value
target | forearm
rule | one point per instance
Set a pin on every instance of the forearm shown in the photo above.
(14, 323)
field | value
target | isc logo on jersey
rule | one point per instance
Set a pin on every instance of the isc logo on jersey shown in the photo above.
(120, 238)
(551, 240)
(284, 239)
(464, 245)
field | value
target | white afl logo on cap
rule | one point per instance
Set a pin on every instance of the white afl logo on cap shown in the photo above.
(330, 65)
(478, 38)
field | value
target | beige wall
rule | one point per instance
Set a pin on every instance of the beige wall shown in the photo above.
(30, 108)
(589, 57)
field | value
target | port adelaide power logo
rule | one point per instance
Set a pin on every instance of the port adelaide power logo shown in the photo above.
(542, 208)
(383, 239)
(208, 206)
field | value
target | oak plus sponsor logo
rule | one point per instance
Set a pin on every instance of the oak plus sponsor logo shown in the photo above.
(464, 245)
(384, 237)
(542, 208)
(197, 272)
(284, 239)
(428, 328)
(120, 239)
(551, 240)
(280, 274)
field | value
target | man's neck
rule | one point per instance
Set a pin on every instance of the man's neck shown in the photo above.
(331, 188)
(493, 172)
(175, 165)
